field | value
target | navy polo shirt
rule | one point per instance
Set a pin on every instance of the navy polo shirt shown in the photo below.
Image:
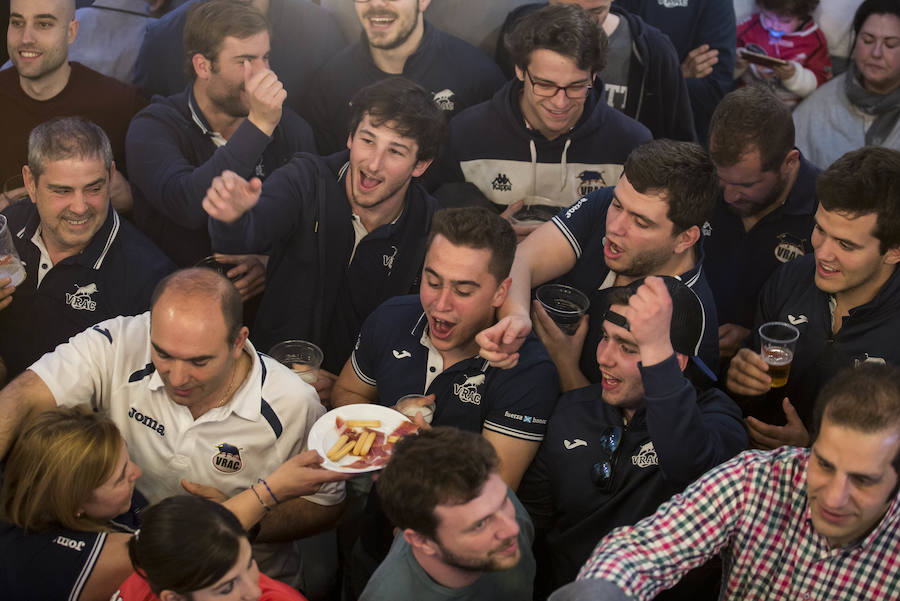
(738, 262)
(393, 354)
(584, 226)
(114, 275)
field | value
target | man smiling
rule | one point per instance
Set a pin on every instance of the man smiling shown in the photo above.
(547, 137)
(83, 263)
(396, 40)
(782, 518)
(462, 534)
(844, 298)
(353, 223)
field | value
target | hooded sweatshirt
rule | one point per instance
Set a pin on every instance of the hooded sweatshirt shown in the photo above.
(491, 146)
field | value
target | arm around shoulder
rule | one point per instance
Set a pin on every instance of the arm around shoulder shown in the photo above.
(26, 393)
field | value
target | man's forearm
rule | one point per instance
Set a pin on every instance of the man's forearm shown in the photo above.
(24, 394)
(298, 518)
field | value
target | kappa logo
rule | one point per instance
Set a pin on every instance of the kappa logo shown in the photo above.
(467, 392)
(646, 456)
(75, 545)
(788, 248)
(797, 320)
(228, 459)
(574, 444)
(590, 181)
(389, 260)
(81, 298)
(401, 354)
(445, 100)
(501, 183)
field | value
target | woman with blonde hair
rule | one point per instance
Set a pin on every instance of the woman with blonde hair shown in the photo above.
(68, 507)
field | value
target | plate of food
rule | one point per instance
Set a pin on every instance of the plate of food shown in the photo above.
(358, 438)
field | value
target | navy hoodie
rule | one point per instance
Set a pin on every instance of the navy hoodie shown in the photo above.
(490, 146)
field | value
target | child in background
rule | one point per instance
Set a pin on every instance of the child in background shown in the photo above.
(785, 29)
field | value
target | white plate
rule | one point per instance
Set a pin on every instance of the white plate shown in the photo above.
(323, 433)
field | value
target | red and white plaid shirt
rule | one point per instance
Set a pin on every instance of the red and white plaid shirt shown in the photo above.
(754, 510)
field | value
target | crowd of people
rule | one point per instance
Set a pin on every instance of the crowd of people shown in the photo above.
(187, 183)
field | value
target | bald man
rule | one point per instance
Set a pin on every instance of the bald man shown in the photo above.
(194, 401)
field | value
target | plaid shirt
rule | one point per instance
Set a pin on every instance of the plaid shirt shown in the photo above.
(754, 510)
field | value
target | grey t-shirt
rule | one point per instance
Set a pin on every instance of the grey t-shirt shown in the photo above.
(401, 577)
(618, 61)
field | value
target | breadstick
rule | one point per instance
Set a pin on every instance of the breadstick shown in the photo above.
(344, 450)
(360, 442)
(337, 446)
(370, 438)
(364, 423)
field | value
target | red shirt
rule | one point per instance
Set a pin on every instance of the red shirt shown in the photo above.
(136, 588)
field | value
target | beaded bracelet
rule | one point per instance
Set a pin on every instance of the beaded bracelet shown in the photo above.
(274, 498)
(258, 498)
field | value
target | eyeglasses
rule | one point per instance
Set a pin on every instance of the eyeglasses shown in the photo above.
(602, 471)
(575, 91)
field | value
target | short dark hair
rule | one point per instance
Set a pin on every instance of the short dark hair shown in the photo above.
(440, 466)
(747, 119)
(865, 398)
(406, 108)
(478, 227)
(185, 544)
(209, 283)
(563, 28)
(209, 23)
(682, 173)
(869, 8)
(63, 138)
(795, 8)
(863, 182)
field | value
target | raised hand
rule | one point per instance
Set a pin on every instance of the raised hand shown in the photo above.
(230, 196)
(266, 96)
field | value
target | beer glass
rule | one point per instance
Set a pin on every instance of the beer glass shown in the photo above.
(10, 264)
(303, 358)
(778, 340)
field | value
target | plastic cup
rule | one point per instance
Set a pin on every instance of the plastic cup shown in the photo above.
(778, 340)
(408, 406)
(303, 358)
(10, 263)
(565, 305)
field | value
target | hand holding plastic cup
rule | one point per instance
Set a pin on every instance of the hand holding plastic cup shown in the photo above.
(411, 404)
(778, 340)
(303, 358)
(10, 263)
(565, 305)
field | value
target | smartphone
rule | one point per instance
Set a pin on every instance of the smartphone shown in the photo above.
(761, 59)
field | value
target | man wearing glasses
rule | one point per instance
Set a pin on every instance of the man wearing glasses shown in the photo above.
(396, 40)
(615, 450)
(547, 138)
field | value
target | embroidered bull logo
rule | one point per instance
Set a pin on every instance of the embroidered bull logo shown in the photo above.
(590, 181)
(81, 298)
(467, 392)
(444, 100)
(228, 459)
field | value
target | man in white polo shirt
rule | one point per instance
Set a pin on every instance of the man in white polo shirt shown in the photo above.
(193, 399)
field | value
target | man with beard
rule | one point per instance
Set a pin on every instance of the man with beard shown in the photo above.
(44, 85)
(344, 232)
(649, 224)
(396, 40)
(229, 118)
(462, 534)
(764, 214)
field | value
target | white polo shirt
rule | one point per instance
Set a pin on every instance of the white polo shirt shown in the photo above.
(267, 420)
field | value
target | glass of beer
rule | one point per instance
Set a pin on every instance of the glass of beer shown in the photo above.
(564, 305)
(10, 264)
(778, 340)
(303, 358)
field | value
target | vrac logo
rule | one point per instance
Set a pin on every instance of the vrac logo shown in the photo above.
(228, 459)
(81, 298)
(501, 183)
(646, 456)
(590, 181)
(389, 259)
(444, 99)
(468, 391)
